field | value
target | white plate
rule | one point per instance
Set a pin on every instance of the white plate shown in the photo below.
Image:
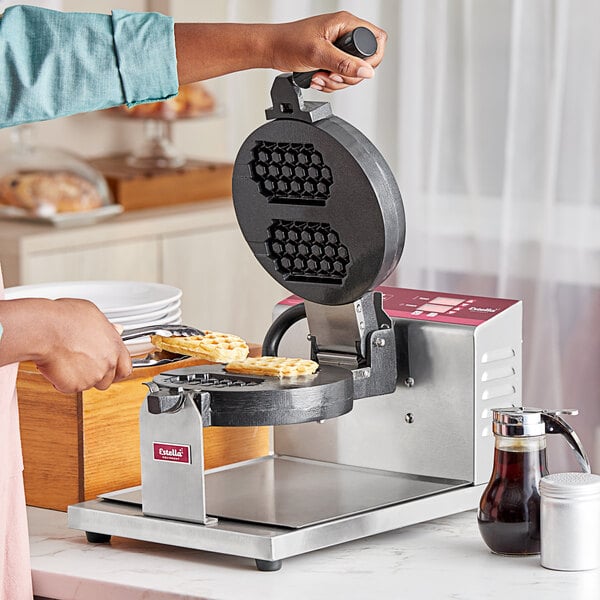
(145, 317)
(113, 298)
(68, 219)
(170, 319)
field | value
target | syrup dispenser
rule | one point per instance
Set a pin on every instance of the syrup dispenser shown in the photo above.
(509, 510)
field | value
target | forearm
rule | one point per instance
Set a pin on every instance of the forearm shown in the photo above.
(206, 50)
(25, 329)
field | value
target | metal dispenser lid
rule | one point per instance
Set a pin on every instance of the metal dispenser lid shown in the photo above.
(517, 421)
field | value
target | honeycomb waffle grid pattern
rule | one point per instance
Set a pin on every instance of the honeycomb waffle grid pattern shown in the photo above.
(291, 173)
(308, 252)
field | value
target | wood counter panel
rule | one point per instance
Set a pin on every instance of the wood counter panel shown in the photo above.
(51, 441)
(76, 446)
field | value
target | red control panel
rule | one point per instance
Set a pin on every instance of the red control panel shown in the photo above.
(421, 305)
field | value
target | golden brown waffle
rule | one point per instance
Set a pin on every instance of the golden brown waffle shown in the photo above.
(213, 346)
(273, 366)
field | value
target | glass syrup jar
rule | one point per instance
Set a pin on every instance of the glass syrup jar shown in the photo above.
(509, 510)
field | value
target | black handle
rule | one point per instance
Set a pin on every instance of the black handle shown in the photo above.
(279, 326)
(359, 42)
(554, 424)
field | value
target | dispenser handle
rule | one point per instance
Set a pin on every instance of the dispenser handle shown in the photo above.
(556, 424)
(360, 42)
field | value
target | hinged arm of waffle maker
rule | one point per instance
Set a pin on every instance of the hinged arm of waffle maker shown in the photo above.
(288, 102)
(357, 336)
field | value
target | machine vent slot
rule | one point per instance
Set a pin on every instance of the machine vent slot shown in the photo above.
(498, 391)
(498, 373)
(499, 354)
(289, 173)
(307, 252)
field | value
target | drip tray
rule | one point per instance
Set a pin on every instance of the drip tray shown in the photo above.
(294, 493)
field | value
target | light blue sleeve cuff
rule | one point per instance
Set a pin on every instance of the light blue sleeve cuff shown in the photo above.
(1, 331)
(145, 51)
(54, 64)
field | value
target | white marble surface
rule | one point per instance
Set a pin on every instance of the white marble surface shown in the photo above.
(440, 559)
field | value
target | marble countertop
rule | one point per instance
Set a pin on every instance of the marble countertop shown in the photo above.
(444, 558)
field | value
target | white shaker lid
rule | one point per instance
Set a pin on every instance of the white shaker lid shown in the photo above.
(570, 485)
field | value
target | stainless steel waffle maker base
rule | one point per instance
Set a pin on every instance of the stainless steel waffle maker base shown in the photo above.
(393, 429)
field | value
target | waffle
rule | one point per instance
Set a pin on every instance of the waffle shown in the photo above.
(213, 346)
(273, 366)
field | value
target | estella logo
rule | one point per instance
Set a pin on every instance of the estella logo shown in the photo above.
(171, 452)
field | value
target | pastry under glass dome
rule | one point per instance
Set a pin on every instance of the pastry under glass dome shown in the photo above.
(45, 182)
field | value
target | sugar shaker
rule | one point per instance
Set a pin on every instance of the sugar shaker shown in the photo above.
(570, 521)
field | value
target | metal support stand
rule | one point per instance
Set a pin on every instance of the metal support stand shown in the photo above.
(172, 452)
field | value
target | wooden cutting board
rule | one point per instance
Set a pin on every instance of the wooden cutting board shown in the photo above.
(195, 181)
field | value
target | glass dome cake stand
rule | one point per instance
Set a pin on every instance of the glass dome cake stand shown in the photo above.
(157, 151)
(50, 185)
(193, 101)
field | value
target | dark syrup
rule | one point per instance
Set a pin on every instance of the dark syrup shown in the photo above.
(509, 510)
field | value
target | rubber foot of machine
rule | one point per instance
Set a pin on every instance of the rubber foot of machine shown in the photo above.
(97, 538)
(268, 565)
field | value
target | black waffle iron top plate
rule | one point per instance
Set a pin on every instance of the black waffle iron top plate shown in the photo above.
(316, 201)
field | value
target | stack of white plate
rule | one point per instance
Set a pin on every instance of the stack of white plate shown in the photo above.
(131, 304)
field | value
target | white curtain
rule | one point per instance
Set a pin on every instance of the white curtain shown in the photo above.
(488, 112)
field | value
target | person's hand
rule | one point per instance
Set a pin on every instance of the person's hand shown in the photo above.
(72, 343)
(307, 45)
(86, 350)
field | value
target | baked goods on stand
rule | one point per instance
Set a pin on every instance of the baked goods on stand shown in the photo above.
(193, 101)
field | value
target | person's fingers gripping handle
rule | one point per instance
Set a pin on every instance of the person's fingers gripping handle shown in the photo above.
(359, 42)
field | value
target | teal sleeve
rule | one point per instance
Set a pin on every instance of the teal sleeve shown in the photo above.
(54, 64)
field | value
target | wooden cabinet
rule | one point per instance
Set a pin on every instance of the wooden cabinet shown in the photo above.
(138, 259)
(197, 247)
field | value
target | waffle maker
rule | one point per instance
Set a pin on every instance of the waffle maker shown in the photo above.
(393, 429)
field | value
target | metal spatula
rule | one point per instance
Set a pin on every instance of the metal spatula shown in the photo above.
(159, 357)
(163, 330)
